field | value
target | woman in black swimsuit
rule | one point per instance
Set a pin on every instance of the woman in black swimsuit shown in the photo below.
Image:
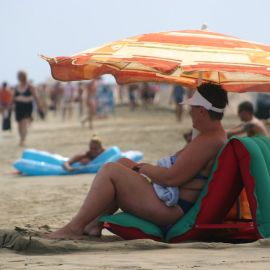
(24, 96)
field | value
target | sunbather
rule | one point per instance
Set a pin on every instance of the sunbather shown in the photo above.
(95, 149)
(117, 186)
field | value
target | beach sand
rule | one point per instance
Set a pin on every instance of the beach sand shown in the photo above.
(31, 206)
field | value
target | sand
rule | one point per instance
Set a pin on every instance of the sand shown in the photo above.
(31, 206)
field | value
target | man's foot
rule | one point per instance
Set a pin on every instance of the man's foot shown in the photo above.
(65, 233)
(91, 230)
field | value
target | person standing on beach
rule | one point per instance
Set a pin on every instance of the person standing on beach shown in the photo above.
(250, 124)
(68, 96)
(132, 95)
(56, 94)
(91, 92)
(24, 96)
(177, 97)
(6, 106)
(42, 96)
(146, 95)
(79, 98)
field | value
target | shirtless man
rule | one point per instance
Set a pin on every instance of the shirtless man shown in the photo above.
(250, 124)
(117, 186)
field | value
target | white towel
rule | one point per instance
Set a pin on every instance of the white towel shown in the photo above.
(169, 195)
(165, 162)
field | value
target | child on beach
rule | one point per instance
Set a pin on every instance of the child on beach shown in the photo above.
(95, 149)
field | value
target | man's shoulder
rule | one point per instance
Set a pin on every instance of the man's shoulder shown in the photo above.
(252, 124)
(210, 141)
(204, 147)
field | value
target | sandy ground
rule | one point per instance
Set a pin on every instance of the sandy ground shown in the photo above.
(36, 204)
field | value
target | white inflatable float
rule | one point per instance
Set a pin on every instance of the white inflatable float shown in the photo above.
(35, 162)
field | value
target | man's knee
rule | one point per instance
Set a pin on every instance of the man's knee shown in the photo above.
(109, 166)
(121, 160)
(113, 170)
(127, 162)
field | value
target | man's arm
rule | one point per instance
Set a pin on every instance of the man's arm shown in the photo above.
(67, 164)
(242, 128)
(193, 159)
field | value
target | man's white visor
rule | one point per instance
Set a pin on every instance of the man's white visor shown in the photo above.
(198, 100)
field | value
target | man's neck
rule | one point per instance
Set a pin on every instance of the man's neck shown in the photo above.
(211, 126)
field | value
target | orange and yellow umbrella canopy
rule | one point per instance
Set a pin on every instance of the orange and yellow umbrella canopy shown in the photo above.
(188, 57)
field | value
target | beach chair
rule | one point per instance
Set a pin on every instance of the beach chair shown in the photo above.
(242, 167)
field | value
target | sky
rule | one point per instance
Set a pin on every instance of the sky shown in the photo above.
(64, 27)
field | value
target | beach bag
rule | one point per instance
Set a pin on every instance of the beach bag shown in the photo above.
(6, 122)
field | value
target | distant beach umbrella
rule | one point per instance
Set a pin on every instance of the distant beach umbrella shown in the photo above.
(188, 57)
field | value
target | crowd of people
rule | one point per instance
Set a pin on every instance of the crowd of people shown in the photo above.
(27, 101)
(96, 99)
(83, 100)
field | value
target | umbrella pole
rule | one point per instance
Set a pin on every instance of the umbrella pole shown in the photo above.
(200, 78)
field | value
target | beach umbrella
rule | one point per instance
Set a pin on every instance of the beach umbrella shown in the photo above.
(188, 57)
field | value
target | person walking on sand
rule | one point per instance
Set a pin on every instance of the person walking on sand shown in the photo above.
(24, 96)
(250, 124)
(91, 92)
(117, 186)
(68, 97)
(79, 98)
(56, 94)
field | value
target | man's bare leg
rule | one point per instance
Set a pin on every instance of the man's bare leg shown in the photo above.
(95, 227)
(22, 128)
(113, 184)
(98, 199)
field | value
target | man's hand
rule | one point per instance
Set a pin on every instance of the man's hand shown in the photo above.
(68, 167)
(139, 166)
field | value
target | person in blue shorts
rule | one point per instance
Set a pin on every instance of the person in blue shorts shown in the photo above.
(177, 97)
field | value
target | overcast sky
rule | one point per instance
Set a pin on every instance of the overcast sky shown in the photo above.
(64, 27)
